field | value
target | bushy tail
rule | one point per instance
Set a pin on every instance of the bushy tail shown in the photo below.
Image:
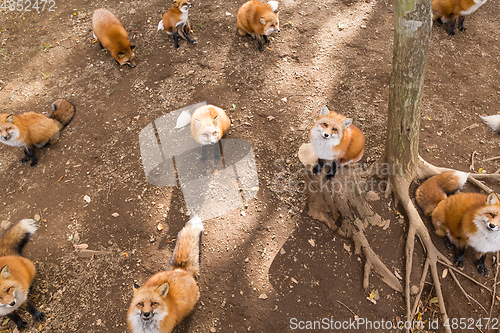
(437, 188)
(492, 122)
(63, 112)
(188, 246)
(14, 239)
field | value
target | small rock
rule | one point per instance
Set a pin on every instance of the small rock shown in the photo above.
(282, 251)
(263, 296)
(37, 217)
(372, 196)
(132, 11)
(5, 224)
(243, 213)
(87, 198)
(414, 290)
(213, 330)
(115, 214)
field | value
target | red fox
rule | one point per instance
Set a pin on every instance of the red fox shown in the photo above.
(492, 122)
(466, 219)
(334, 138)
(175, 21)
(451, 10)
(16, 273)
(258, 19)
(30, 130)
(209, 123)
(111, 34)
(169, 296)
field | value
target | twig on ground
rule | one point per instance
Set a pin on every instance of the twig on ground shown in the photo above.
(491, 159)
(472, 160)
(347, 308)
(463, 274)
(494, 289)
(469, 297)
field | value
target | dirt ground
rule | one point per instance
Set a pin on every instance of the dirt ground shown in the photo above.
(271, 263)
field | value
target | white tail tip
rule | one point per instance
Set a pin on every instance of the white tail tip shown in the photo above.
(273, 4)
(160, 25)
(462, 177)
(492, 122)
(29, 225)
(196, 222)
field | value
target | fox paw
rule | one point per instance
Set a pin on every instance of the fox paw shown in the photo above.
(483, 270)
(316, 169)
(448, 243)
(459, 263)
(24, 160)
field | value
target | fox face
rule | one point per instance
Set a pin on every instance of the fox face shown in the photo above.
(9, 133)
(12, 296)
(488, 217)
(183, 5)
(148, 308)
(209, 132)
(330, 126)
(271, 23)
(126, 57)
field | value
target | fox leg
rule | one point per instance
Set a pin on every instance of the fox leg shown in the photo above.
(481, 268)
(176, 39)
(187, 27)
(459, 256)
(29, 154)
(333, 169)
(34, 311)
(184, 34)
(448, 242)
(260, 42)
(317, 169)
(461, 24)
(16, 319)
(265, 38)
(451, 32)
(217, 155)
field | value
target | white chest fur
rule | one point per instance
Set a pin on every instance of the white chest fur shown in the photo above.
(184, 17)
(323, 148)
(478, 3)
(485, 240)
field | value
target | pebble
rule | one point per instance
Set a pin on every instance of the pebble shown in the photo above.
(36, 217)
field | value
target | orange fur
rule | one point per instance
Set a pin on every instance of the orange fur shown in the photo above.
(209, 123)
(257, 19)
(112, 35)
(167, 297)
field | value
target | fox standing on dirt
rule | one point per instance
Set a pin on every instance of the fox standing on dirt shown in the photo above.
(16, 273)
(175, 21)
(451, 10)
(169, 296)
(258, 19)
(111, 35)
(30, 130)
(334, 138)
(209, 123)
(466, 219)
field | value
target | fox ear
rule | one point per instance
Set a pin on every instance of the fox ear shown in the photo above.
(132, 47)
(136, 287)
(176, 4)
(324, 111)
(10, 118)
(197, 122)
(263, 20)
(5, 272)
(163, 289)
(215, 121)
(492, 199)
(346, 122)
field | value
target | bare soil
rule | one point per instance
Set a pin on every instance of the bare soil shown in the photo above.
(273, 263)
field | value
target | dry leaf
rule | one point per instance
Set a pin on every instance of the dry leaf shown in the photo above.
(311, 241)
(80, 246)
(294, 281)
(445, 272)
(434, 300)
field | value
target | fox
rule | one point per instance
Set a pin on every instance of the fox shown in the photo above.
(492, 122)
(17, 273)
(209, 123)
(175, 21)
(465, 219)
(169, 296)
(30, 129)
(112, 36)
(453, 10)
(258, 19)
(336, 139)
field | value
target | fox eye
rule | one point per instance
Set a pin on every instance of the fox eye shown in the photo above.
(8, 290)
(491, 215)
(205, 135)
(154, 303)
(214, 133)
(335, 129)
(141, 304)
(325, 125)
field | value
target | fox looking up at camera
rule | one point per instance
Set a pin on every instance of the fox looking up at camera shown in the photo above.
(111, 34)
(465, 219)
(335, 139)
(176, 23)
(258, 19)
(169, 296)
(30, 130)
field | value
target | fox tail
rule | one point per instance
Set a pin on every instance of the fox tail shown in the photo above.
(63, 112)
(437, 188)
(188, 246)
(16, 237)
(492, 122)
